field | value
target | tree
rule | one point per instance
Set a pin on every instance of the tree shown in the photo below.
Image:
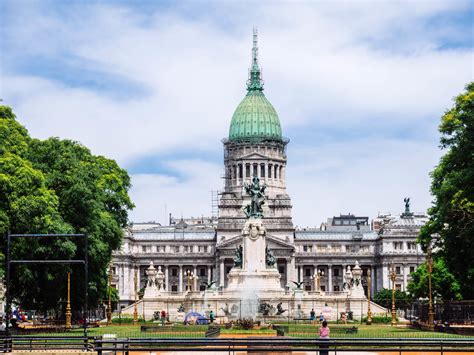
(443, 284)
(452, 214)
(58, 186)
(384, 298)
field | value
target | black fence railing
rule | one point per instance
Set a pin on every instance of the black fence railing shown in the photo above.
(130, 345)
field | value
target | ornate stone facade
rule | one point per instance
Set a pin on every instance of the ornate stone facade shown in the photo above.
(203, 250)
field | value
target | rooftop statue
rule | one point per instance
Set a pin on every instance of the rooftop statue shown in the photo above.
(257, 193)
(407, 205)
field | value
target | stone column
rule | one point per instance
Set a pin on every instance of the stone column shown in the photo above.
(300, 273)
(288, 274)
(167, 283)
(374, 280)
(385, 280)
(292, 269)
(405, 277)
(209, 273)
(330, 278)
(180, 286)
(221, 275)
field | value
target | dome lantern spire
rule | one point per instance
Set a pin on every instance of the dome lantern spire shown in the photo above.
(255, 83)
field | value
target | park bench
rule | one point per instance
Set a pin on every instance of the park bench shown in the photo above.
(296, 320)
(281, 329)
(346, 330)
(213, 332)
(153, 328)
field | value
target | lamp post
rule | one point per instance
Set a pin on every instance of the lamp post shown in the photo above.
(430, 302)
(109, 301)
(369, 312)
(68, 304)
(317, 277)
(135, 310)
(393, 277)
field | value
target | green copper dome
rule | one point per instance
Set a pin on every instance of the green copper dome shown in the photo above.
(255, 118)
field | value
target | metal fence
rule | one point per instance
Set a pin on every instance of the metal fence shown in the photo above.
(231, 345)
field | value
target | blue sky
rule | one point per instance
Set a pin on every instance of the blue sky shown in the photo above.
(359, 87)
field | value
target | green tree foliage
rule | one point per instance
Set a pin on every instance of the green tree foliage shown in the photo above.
(384, 298)
(58, 186)
(452, 215)
(443, 284)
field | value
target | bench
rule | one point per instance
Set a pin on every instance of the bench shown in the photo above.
(304, 319)
(346, 330)
(213, 332)
(281, 329)
(153, 328)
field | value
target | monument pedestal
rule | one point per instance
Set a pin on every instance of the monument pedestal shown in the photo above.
(254, 275)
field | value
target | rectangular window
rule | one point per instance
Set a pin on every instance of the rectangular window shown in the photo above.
(281, 269)
(336, 288)
(186, 248)
(305, 248)
(412, 269)
(202, 271)
(255, 170)
(176, 249)
(307, 271)
(227, 269)
(240, 171)
(247, 170)
(174, 288)
(262, 170)
(307, 287)
(174, 272)
(336, 272)
(270, 171)
(143, 249)
(397, 270)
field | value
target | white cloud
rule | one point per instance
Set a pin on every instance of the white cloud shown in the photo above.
(323, 63)
(157, 195)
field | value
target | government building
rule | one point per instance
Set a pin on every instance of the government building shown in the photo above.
(197, 250)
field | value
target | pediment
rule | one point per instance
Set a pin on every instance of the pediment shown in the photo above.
(254, 155)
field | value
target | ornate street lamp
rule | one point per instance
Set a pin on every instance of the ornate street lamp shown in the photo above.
(430, 302)
(317, 277)
(109, 302)
(393, 277)
(135, 310)
(68, 304)
(369, 312)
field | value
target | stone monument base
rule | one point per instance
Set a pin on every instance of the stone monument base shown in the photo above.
(260, 281)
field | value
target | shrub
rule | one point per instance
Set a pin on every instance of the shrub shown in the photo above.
(125, 320)
(246, 323)
(379, 319)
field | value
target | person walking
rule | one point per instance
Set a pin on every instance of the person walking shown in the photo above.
(211, 316)
(324, 336)
(312, 315)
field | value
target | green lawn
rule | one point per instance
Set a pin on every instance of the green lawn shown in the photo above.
(295, 330)
(366, 331)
